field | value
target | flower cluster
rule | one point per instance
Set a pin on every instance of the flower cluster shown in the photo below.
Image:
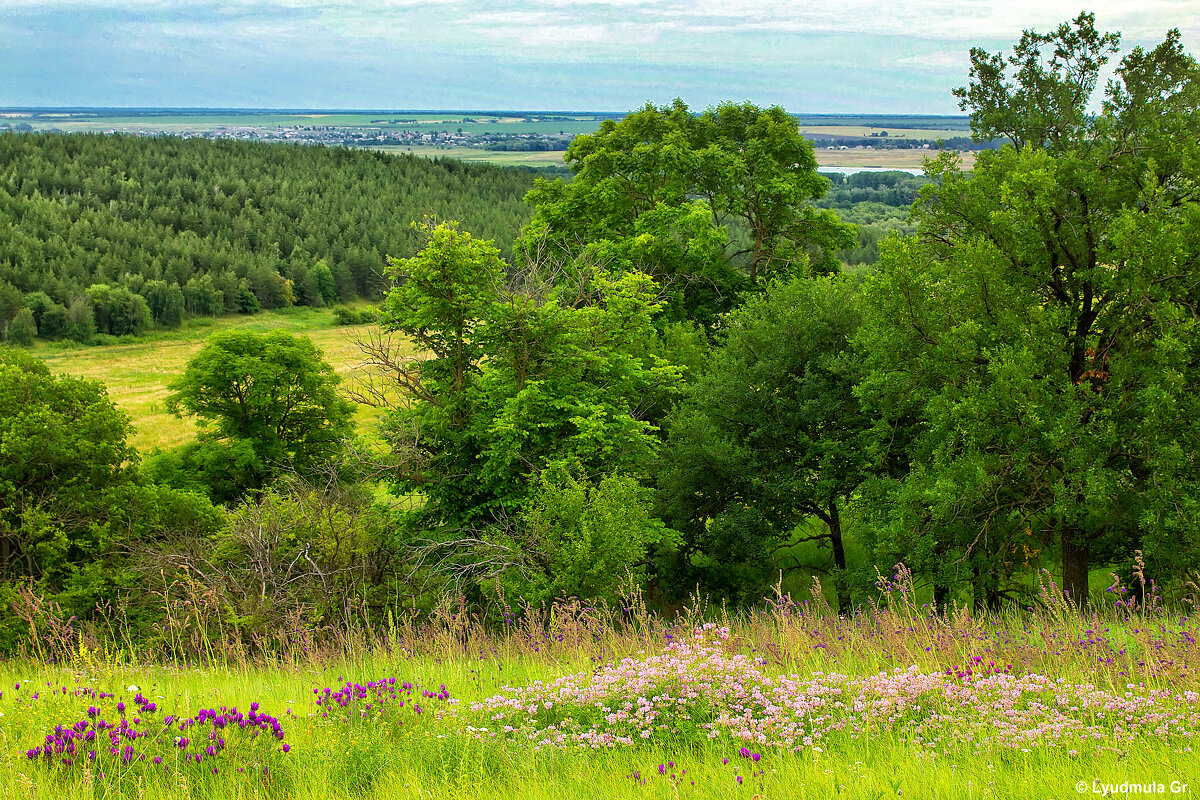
(386, 696)
(135, 737)
(695, 689)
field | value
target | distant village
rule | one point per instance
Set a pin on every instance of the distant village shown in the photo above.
(455, 136)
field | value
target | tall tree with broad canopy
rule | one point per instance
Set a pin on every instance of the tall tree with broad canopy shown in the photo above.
(769, 437)
(706, 203)
(1042, 323)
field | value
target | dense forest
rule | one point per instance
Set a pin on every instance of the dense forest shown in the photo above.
(112, 234)
(686, 369)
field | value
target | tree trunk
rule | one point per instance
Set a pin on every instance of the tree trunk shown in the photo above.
(839, 558)
(1075, 558)
(941, 595)
(984, 590)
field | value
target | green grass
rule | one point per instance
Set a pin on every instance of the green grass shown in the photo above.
(137, 372)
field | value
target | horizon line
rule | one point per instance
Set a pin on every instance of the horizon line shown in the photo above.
(490, 112)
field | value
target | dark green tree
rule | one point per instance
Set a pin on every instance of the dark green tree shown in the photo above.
(1041, 324)
(769, 437)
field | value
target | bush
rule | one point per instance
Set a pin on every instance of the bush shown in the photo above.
(22, 329)
(345, 315)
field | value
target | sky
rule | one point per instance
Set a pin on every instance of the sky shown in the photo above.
(809, 56)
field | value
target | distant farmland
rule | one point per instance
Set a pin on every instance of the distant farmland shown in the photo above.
(467, 135)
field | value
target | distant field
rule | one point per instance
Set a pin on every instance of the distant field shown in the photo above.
(894, 159)
(543, 158)
(137, 374)
(914, 127)
(818, 131)
(887, 159)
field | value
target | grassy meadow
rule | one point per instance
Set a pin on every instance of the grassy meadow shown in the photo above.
(137, 371)
(506, 158)
(588, 701)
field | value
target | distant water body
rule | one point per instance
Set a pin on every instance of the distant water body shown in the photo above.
(852, 170)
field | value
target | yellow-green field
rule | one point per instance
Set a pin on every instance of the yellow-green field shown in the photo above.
(888, 159)
(545, 158)
(137, 374)
(867, 157)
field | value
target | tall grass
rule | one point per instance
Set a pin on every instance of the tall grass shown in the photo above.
(931, 745)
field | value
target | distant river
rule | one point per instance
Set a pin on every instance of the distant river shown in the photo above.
(852, 170)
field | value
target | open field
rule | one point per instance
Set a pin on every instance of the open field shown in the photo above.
(864, 131)
(787, 701)
(884, 159)
(137, 373)
(540, 158)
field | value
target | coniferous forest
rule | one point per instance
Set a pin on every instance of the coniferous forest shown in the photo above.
(140, 231)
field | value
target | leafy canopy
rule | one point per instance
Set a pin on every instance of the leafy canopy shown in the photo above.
(522, 379)
(770, 436)
(1041, 324)
(705, 203)
(268, 400)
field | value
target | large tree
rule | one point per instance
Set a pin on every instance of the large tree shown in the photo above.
(530, 400)
(705, 203)
(770, 436)
(1041, 325)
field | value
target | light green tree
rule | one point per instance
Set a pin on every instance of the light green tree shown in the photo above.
(516, 382)
(267, 402)
(705, 203)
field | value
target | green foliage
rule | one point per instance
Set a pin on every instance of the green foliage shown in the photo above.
(118, 311)
(771, 435)
(234, 226)
(71, 507)
(519, 379)
(266, 402)
(440, 299)
(1040, 327)
(345, 315)
(22, 329)
(1046, 102)
(165, 301)
(585, 539)
(705, 203)
(81, 321)
(11, 302)
(318, 546)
